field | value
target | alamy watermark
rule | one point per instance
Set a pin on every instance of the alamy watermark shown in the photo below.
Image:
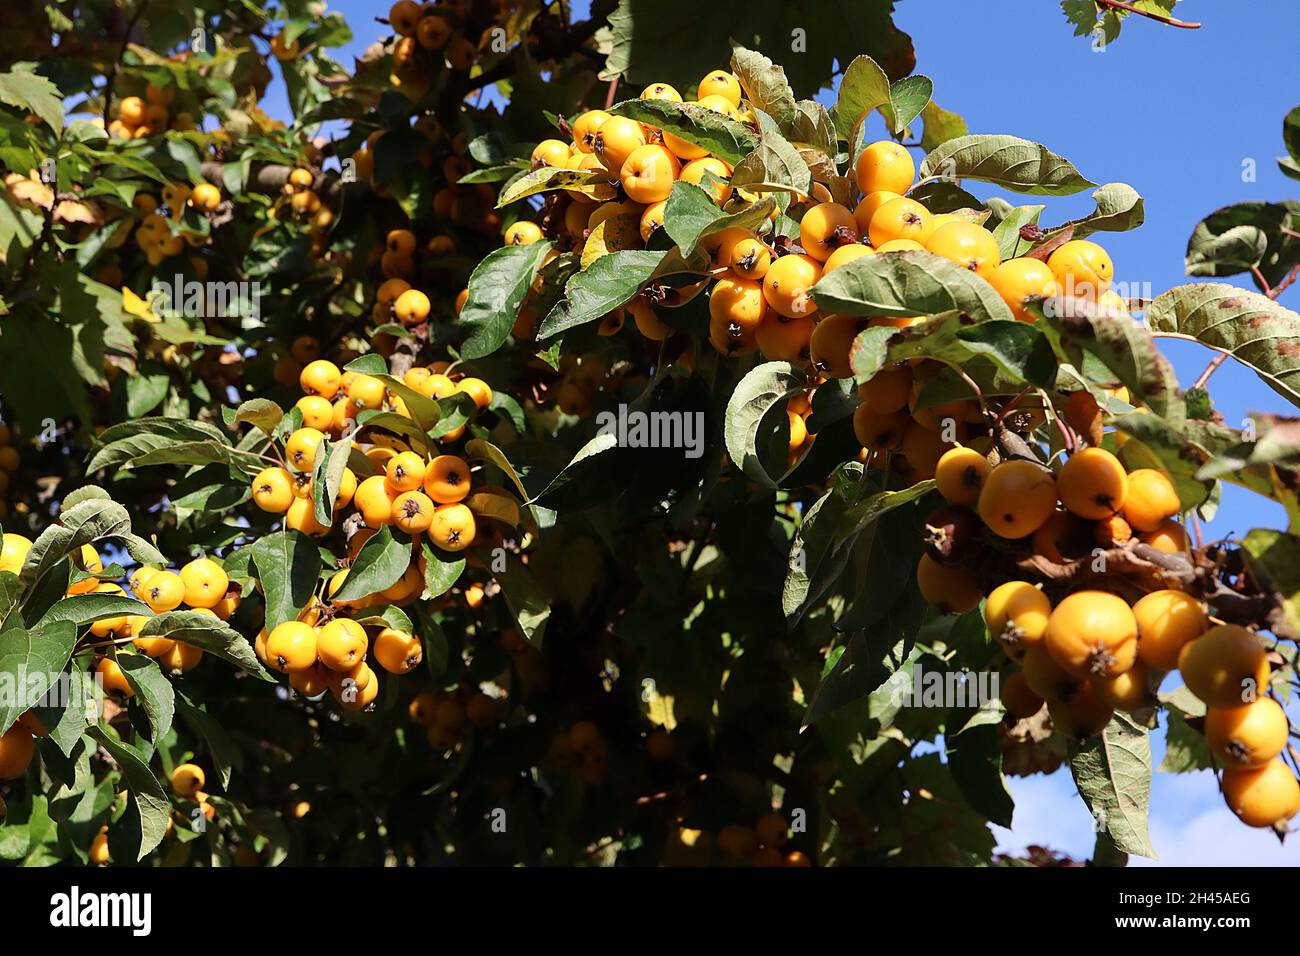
(948, 689)
(206, 300)
(637, 429)
(22, 690)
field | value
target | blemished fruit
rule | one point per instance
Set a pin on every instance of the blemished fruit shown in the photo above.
(1092, 634)
(1167, 620)
(1262, 796)
(1225, 667)
(1016, 614)
(960, 475)
(187, 780)
(1247, 736)
(787, 283)
(1017, 499)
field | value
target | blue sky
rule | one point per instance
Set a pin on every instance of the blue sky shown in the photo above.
(1158, 110)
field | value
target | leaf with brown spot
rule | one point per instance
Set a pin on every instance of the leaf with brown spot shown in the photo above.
(1252, 328)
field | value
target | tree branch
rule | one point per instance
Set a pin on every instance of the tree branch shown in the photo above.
(1129, 8)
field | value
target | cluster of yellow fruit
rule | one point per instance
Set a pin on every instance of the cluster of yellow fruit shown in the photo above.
(448, 715)
(427, 33)
(415, 493)
(201, 585)
(761, 297)
(642, 163)
(155, 236)
(1092, 652)
(139, 117)
(10, 461)
(300, 199)
(324, 651)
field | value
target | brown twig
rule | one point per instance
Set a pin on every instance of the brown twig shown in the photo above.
(1129, 8)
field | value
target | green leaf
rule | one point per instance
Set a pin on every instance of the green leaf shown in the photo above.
(497, 290)
(1185, 747)
(144, 393)
(609, 282)
(153, 691)
(327, 477)
(528, 601)
(1273, 558)
(825, 538)
(385, 615)
(907, 99)
(1123, 346)
(762, 389)
(940, 126)
(11, 589)
(441, 571)
(1007, 161)
(83, 609)
(765, 85)
(150, 800)
(1227, 241)
(1007, 232)
(31, 660)
(262, 413)
(1018, 347)
(30, 91)
(1113, 774)
(211, 634)
(595, 183)
(774, 164)
(722, 136)
(1119, 209)
(378, 566)
(82, 524)
(288, 565)
(691, 216)
(907, 284)
(225, 754)
(863, 89)
(975, 760)
(1252, 328)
